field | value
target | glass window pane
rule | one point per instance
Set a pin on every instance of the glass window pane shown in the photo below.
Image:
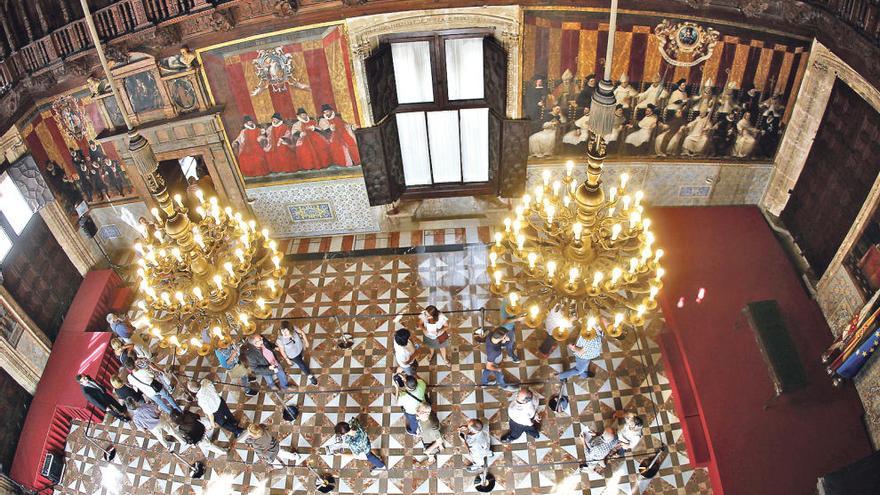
(445, 148)
(13, 205)
(413, 137)
(464, 68)
(5, 245)
(475, 144)
(412, 72)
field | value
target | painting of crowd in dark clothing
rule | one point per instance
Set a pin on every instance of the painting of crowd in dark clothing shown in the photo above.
(97, 178)
(732, 106)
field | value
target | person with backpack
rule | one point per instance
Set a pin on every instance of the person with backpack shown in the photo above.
(189, 429)
(292, 344)
(410, 394)
(266, 446)
(145, 380)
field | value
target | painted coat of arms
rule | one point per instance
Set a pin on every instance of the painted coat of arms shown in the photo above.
(69, 113)
(685, 44)
(274, 69)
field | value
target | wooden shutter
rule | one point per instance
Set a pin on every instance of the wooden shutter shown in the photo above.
(381, 161)
(514, 155)
(380, 80)
(495, 75)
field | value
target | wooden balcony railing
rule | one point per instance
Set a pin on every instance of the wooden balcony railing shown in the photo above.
(861, 15)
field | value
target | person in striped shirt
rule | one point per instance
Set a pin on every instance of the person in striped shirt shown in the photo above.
(585, 350)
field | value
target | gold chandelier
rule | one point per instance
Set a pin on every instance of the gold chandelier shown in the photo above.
(203, 282)
(574, 246)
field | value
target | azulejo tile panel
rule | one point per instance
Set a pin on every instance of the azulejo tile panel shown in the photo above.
(315, 208)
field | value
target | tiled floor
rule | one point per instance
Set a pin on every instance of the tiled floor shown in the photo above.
(356, 382)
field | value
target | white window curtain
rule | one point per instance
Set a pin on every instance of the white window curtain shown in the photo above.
(413, 136)
(412, 72)
(464, 68)
(475, 144)
(13, 205)
(445, 146)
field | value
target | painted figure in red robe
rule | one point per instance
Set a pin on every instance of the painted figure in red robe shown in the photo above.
(250, 149)
(312, 150)
(279, 155)
(343, 146)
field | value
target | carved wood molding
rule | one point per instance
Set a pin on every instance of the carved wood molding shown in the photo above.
(364, 34)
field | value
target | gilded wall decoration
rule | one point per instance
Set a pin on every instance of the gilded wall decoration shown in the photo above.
(290, 107)
(683, 89)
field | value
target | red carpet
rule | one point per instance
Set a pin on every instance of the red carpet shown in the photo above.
(732, 253)
(81, 347)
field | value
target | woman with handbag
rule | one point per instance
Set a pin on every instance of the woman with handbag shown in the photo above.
(435, 327)
(144, 379)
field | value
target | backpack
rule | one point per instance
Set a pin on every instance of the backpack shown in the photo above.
(191, 429)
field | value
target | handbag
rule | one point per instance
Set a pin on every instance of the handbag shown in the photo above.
(443, 337)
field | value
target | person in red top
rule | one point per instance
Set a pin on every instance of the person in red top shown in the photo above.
(280, 156)
(343, 146)
(312, 150)
(250, 149)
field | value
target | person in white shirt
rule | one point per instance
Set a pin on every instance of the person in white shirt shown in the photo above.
(646, 129)
(555, 318)
(478, 444)
(404, 352)
(145, 381)
(215, 408)
(292, 343)
(188, 429)
(435, 327)
(581, 131)
(522, 416)
(632, 432)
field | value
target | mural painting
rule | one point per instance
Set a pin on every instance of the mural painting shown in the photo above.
(77, 168)
(290, 108)
(683, 90)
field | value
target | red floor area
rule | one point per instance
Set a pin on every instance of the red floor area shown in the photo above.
(732, 253)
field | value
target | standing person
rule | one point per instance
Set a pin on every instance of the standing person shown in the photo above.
(215, 408)
(522, 414)
(279, 156)
(228, 359)
(267, 448)
(508, 323)
(497, 340)
(123, 392)
(556, 318)
(404, 352)
(262, 361)
(597, 448)
(585, 350)
(435, 327)
(412, 393)
(630, 436)
(311, 148)
(249, 148)
(145, 416)
(343, 146)
(190, 430)
(292, 344)
(353, 437)
(135, 349)
(478, 444)
(120, 326)
(95, 393)
(143, 379)
(429, 431)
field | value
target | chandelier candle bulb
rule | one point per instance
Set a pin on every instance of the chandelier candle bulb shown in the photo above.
(179, 200)
(569, 167)
(520, 241)
(576, 229)
(556, 186)
(634, 219)
(200, 195)
(597, 278)
(633, 265)
(176, 253)
(158, 235)
(649, 238)
(197, 291)
(179, 296)
(551, 211)
(498, 237)
(646, 253)
(240, 255)
(497, 276)
(156, 332)
(615, 231)
(532, 257)
(646, 224)
(657, 255)
(514, 299)
(139, 248)
(611, 212)
(253, 225)
(195, 342)
(271, 284)
(517, 226)
(626, 200)
(615, 275)
(218, 280)
(273, 245)
(493, 257)
(228, 267)
(618, 319)
(217, 332)
(612, 194)
(660, 273)
(624, 178)
(566, 200)
(261, 303)
(276, 261)
(156, 215)
(573, 274)
(545, 175)
(652, 292)
(507, 223)
(526, 200)
(199, 241)
(539, 194)
(638, 198)
(243, 318)
(551, 268)
(245, 241)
